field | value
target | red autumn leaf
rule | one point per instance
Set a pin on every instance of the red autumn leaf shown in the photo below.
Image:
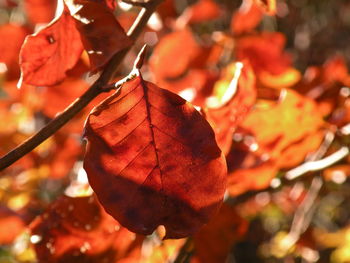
(246, 18)
(324, 84)
(80, 68)
(179, 64)
(40, 11)
(253, 174)
(11, 225)
(47, 55)
(296, 152)
(214, 241)
(100, 32)
(202, 11)
(235, 95)
(152, 160)
(335, 69)
(274, 125)
(264, 52)
(9, 49)
(174, 54)
(78, 230)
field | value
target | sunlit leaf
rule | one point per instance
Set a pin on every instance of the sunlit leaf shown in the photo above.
(285, 80)
(47, 55)
(264, 52)
(179, 64)
(276, 126)
(296, 152)
(234, 95)
(138, 177)
(174, 54)
(255, 177)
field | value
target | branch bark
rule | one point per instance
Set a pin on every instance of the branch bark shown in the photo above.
(97, 88)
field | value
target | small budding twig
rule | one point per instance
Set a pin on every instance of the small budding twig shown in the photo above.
(80, 103)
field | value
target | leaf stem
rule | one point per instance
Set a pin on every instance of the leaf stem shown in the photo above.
(96, 88)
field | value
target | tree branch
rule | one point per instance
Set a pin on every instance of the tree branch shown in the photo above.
(318, 165)
(97, 88)
(303, 215)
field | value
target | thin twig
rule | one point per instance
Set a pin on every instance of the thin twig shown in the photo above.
(318, 165)
(303, 215)
(322, 150)
(80, 103)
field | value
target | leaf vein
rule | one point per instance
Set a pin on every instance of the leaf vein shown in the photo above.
(135, 157)
(163, 113)
(170, 136)
(145, 92)
(116, 120)
(129, 133)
